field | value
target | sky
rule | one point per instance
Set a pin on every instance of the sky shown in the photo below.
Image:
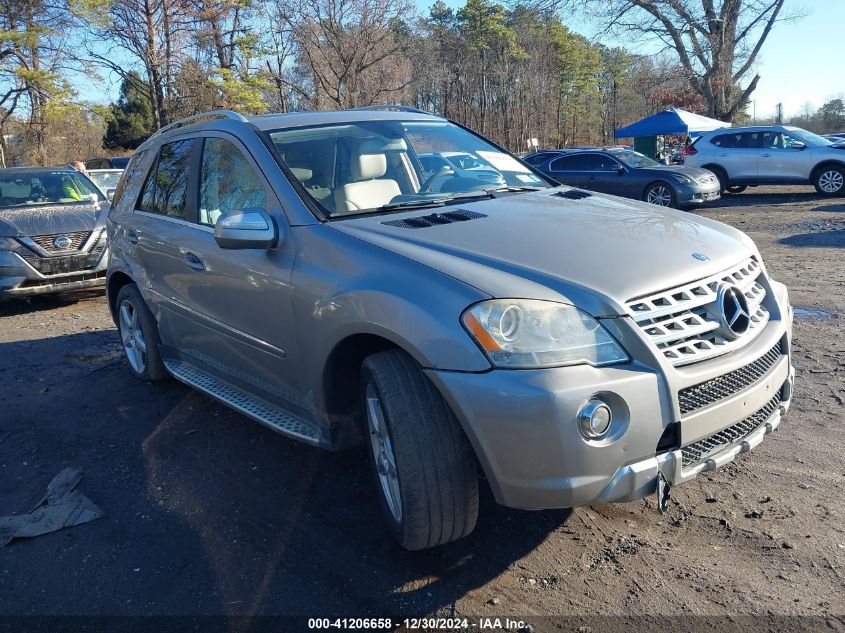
(802, 61)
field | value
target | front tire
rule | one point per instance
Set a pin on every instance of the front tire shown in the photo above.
(423, 464)
(735, 189)
(661, 194)
(139, 335)
(830, 181)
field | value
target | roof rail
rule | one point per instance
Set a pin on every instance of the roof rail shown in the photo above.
(392, 106)
(211, 114)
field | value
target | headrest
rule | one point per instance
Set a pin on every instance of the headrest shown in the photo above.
(368, 166)
(302, 173)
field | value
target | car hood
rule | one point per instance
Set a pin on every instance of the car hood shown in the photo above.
(51, 219)
(596, 252)
(691, 172)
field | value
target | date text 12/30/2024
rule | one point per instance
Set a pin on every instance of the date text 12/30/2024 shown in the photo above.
(411, 624)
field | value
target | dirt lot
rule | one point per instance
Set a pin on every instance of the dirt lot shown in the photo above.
(209, 513)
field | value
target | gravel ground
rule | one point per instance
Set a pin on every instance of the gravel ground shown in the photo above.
(210, 513)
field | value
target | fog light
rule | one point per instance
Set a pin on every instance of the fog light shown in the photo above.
(595, 418)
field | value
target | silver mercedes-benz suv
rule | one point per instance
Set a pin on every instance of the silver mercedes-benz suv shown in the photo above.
(561, 346)
(774, 155)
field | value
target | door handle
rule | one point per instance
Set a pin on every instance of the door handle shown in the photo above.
(132, 236)
(194, 262)
(765, 155)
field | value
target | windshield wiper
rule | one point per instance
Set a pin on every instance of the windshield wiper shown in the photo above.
(508, 189)
(413, 204)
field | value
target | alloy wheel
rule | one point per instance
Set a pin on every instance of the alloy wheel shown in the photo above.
(383, 455)
(831, 181)
(659, 195)
(132, 337)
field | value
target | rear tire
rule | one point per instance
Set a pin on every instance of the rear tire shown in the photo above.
(830, 180)
(722, 177)
(139, 335)
(423, 465)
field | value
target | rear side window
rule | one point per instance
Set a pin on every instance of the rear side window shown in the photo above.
(228, 182)
(583, 162)
(743, 140)
(130, 174)
(536, 159)
(166, 189)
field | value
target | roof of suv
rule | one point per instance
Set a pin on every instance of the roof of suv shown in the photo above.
(302, 119)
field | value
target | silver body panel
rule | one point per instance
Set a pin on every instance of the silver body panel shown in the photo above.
(267, 324)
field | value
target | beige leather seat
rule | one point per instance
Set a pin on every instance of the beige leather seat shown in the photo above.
(369, 190)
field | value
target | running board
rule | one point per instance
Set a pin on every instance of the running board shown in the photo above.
(250, 406)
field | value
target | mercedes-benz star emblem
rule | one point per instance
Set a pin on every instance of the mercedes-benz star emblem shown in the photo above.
(733, 311)
(62, 242)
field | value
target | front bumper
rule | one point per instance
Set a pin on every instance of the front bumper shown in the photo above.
(523, 425)
(18, 278)
(697, 194)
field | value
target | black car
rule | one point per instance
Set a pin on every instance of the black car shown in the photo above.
(116, 162)
(624, 172)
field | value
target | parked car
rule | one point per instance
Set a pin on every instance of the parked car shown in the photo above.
(573, 347)
(838, 137)
(446, 169)
(52, 232)
(105, 179)
(775, 155)
(624, 172)
(115, 162)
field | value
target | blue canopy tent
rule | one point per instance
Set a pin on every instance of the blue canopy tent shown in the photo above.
(671, 121)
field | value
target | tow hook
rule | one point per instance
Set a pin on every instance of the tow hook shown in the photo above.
(663, 488)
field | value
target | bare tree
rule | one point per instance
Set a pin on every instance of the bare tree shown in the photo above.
(716, 41)
(351, 49)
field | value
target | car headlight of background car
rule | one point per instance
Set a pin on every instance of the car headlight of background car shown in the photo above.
(8, 244)
(682, 179)
(527, 333)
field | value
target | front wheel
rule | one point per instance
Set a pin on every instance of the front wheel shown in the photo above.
(660, 194)
(736, 189)
(421, 460)
(830, 181)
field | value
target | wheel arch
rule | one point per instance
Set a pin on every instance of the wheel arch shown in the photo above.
(828, 162)
(657, 181)
(115, 282)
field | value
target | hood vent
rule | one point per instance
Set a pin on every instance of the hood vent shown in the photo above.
(573, 194)
(434, 219)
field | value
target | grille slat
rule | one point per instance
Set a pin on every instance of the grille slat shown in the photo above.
(697, 452)
(683, 322)
(77, 241)
(711, 391)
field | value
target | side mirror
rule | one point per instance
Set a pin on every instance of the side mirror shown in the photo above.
(798, 145)
(110, 194)
(620, 170)
(246, 228)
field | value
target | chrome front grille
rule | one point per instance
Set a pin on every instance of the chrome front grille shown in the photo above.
(698, 451)
(711, 391)
(77, 241)
(684, 323)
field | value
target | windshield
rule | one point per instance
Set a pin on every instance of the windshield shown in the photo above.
(370, 166)
(21, 189)
(105, 179)
(808, 138)
(635, 160)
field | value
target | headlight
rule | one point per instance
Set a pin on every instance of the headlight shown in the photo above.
(8, 244)
(681, 178)
(525, 333)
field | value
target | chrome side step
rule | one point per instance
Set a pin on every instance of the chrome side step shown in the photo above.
(250, 406)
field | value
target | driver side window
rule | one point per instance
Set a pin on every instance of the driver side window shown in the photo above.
(227, 181)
